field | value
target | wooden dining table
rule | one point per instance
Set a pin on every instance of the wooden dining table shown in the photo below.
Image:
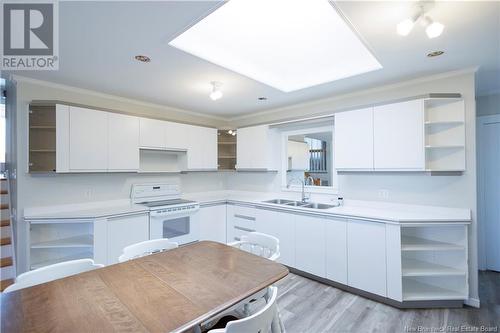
(172, 291)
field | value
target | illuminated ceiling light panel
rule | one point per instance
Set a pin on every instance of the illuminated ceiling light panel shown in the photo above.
(286, 44)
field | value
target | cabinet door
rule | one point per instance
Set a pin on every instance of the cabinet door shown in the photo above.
(282, 226)
(88, 139)
(366, 256)
(240, 221)
(176, 135)
(212, 222)
(354, 139)
(399, 136)
(310, 245)
(124, 231)
(253, 148)
(202, 150)
(152, 133)
(336, 250)
(123, 142)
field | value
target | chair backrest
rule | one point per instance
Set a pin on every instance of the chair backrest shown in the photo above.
(146, 248)
(261, 321)
(260, 244)
(52, 272)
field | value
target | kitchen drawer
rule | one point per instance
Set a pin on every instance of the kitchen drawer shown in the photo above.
(243, 217)
(238, 232)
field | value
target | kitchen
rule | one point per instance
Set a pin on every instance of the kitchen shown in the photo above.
(400, 153)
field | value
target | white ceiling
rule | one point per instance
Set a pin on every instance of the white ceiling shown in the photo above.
(98, 42)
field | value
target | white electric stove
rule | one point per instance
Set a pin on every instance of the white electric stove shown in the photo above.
(170, 216)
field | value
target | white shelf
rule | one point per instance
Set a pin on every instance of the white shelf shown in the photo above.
(445, 146)
(413, 267)
(409, 243)
(70, 242)
(79, 255)
(445, 123)
(418, 291)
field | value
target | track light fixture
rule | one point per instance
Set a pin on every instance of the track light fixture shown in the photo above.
(433, 29)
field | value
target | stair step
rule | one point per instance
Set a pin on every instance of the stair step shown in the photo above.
(4, 262)
(5, 241)
(5, 283)
(4, 223)
(4, 192)
(4, 206)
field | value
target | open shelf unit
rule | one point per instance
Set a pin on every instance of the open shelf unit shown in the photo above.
(42, 138)
(444, 134)
(434, 262)
(55, 241)
(226, 150)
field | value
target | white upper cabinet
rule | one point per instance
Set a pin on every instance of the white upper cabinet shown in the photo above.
(123, 142)
(354, 139)
(176, 135)
(202, 148)
(398, 136)
(88, 140)
(257, 148)
(152, 133)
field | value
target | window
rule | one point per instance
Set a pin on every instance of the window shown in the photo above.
(309, 159)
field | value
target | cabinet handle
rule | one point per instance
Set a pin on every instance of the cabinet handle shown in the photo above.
(243, 229)
(244, 217)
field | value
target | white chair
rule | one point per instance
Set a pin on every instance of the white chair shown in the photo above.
(260, 244)
(263, 321)
(52, 272)
(146, 248)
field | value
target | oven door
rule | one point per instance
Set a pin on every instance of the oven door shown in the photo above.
(182, 229)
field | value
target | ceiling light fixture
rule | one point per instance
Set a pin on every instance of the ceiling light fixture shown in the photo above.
(435, 54)
(433, 29)
(230, 132)
(216, 92)
(263, 41)
(142, 58)
(262, 98)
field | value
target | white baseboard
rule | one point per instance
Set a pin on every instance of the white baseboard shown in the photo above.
(474, 302)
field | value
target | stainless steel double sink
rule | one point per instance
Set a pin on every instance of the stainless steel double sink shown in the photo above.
(313, 205)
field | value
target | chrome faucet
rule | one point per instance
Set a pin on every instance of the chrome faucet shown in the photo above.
(302, 183)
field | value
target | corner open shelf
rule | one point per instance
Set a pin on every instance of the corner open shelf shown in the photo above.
(444, 134)
(42, 138)
(434, 262)
(54, 241)
(226, 150)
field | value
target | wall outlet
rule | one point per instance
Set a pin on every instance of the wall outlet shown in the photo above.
(383, 194)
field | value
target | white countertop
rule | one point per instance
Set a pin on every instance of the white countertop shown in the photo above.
(391, 212)
(84, 211)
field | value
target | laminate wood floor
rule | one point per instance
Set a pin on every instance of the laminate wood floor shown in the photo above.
(309, 306)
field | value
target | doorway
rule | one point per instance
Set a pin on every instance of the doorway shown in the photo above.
(489, 191)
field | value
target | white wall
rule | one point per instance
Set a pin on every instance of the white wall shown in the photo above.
(411, 188)
(40, 190)
(488, 105)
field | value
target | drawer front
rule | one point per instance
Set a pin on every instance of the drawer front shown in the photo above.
(243, 217)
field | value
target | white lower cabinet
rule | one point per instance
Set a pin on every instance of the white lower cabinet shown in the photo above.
(366, 256)
(212, 222)
(282, 226)
(112, 234)
(336, 250)
(240, 221)
(310, 244)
